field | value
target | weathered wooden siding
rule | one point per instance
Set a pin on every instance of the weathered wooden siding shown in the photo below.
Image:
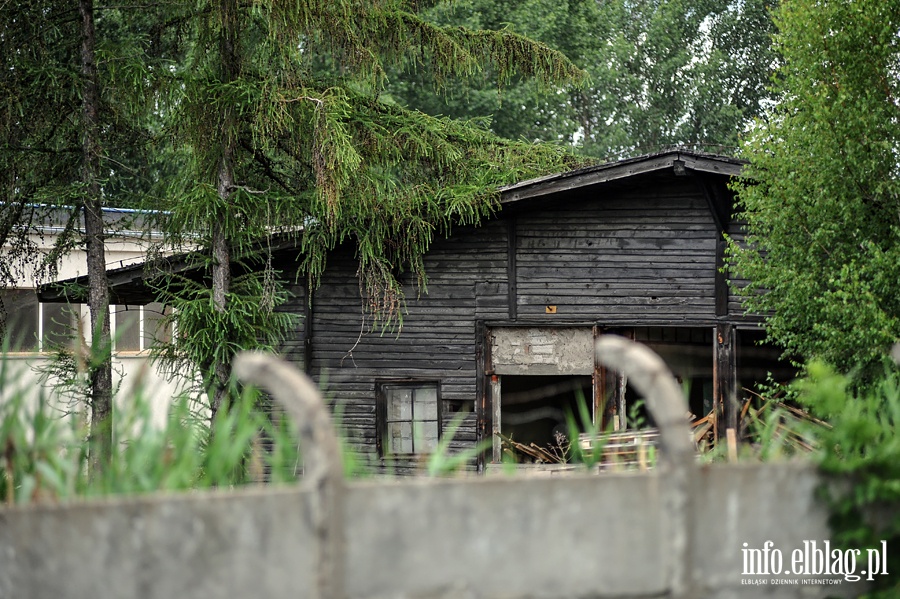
(736, 310)
(467, 281)
(641, 257)
(646, 256)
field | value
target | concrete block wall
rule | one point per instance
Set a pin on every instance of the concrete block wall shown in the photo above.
(603, 536)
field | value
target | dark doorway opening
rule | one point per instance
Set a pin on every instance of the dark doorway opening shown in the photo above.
(533, 409)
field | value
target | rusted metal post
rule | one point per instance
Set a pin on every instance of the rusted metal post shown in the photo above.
(323, 467)
(650, 376)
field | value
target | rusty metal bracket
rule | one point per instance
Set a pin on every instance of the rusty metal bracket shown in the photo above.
(323, 467)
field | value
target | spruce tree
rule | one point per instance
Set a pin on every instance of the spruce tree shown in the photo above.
(280, 108)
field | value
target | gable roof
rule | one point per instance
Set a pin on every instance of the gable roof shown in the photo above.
(681, 160)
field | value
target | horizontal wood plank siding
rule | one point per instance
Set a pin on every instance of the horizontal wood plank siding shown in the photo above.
(644, 254)
(466, 281)
(736, 311)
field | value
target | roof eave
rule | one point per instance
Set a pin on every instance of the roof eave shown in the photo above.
(604, 173)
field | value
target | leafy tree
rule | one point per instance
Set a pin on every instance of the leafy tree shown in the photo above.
(280, 109)
(663, 72)
(821, 194)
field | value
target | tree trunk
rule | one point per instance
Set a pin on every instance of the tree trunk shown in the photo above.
(221, 270)
(98, 293)
(221, 284)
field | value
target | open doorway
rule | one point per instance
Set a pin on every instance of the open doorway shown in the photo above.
(535, 409)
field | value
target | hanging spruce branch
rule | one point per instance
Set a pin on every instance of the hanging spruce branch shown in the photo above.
(279, 107)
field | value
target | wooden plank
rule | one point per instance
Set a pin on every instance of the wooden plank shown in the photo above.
(308, 332)
(720, 166)
(511, 269)
(482, 398)
(598, 381)
(722, 291)
(725, 379)
(496, 398)
(567, 182)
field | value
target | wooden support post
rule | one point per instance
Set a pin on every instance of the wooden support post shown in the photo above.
(621, 406)
(598, 380)
(511, 272)
(496, 397)
(725, 379)
(482, 390)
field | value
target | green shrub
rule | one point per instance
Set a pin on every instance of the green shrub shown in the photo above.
(862, 446)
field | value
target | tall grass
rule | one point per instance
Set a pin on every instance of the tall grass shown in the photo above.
(44, 454)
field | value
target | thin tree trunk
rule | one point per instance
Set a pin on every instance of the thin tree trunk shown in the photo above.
(221, 270)
(98, 293)
(221, 284)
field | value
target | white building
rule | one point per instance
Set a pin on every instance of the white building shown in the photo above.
(34, 328)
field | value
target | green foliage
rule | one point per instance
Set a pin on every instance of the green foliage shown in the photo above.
(863, 449)
(275, 115)
(318, 147)
(442, 461)
(250, 320)
(41, 128)
(576, 454)
(821, 193)
(44, 456)
(661, 72)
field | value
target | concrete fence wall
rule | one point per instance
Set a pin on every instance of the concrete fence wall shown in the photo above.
(580, 536)
(682, 531)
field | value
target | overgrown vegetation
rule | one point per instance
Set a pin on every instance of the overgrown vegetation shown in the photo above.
(821, 192)
(862, 450)
(45, 451)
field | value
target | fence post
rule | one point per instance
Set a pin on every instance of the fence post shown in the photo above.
(323, 467)
(650, 376)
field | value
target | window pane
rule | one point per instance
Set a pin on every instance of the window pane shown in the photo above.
(400, 438)
(21, 314)
(58, 322)
(426, 403)
(399, 403)
(128, 328)
(426, 436)
(155, 331)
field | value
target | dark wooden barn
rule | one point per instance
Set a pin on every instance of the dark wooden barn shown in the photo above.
(502, 340)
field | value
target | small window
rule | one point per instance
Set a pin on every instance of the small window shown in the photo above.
(139, 328)
(156, 328)
(409, 418)
(32, 327)
(128, 327)
(21, 315)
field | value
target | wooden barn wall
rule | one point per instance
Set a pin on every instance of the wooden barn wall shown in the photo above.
(642, 256)
(645, 256)
(736, 310)
(466, 281)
